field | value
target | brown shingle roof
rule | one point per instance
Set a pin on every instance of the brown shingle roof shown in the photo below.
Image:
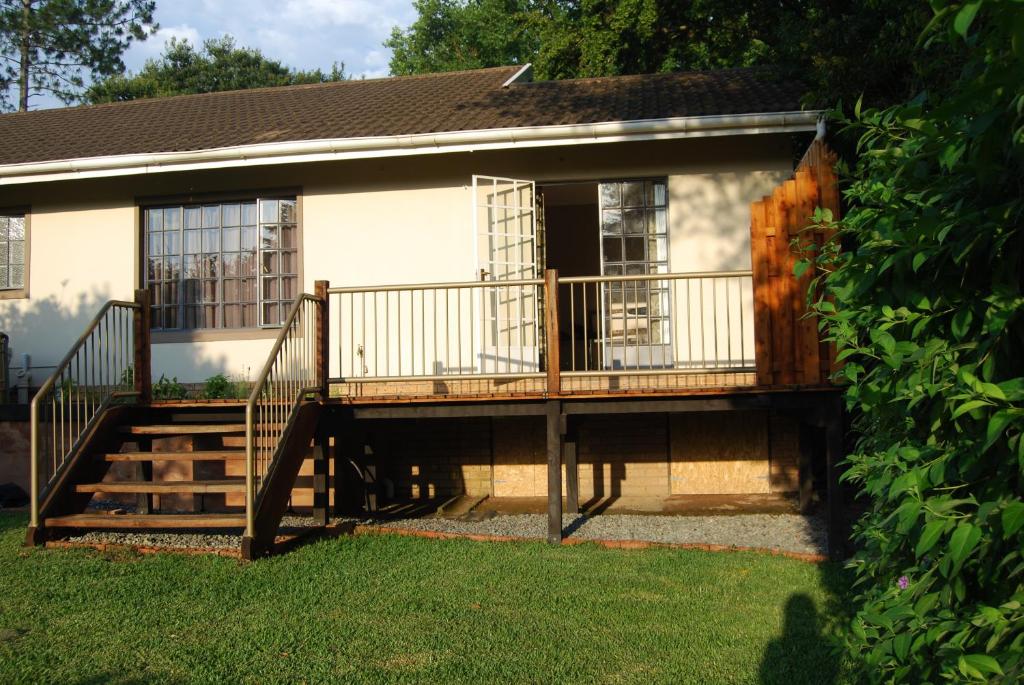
(454, 101)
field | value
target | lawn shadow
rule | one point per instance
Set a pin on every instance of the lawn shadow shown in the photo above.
(808, 649)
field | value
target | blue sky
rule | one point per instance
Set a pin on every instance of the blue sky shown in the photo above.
(303, 34)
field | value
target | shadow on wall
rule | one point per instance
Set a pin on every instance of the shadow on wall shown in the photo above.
(46, 328)
(715, 231)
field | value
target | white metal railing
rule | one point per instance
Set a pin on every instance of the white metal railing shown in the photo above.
(98, 371)
(292, 372)
(657, 323)
(437, 331)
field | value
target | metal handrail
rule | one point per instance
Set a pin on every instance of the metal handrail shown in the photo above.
(292, 372)
(460, 330)
(98, 369)
(659, 323)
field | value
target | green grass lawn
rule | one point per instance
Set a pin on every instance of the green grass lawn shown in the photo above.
(392, 609)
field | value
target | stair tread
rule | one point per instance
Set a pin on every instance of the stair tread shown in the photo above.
(197, 455)
(183, 428)
(174, 486)
(147, 521)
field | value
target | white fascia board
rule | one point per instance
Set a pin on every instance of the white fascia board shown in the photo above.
(400, 146)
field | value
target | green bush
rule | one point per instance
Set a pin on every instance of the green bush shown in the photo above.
(220, 387)
(169, 389)
(926, 307)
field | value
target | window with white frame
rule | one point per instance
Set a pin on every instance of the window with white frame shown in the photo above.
(222, 265)
(12, 251)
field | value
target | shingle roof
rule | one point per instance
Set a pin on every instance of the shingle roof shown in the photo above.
(454, 101)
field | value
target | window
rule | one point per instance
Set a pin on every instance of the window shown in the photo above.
(222, 265)
(13, 238)
(634, 241)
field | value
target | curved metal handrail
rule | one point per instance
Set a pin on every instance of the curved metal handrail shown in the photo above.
(292, 372)
(98, 369)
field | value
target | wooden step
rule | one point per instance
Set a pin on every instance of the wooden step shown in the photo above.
(146, 521)
(165, 487)
(184, 429)
(200, 455)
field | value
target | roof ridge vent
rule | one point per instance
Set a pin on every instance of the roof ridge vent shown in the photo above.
(524, 75)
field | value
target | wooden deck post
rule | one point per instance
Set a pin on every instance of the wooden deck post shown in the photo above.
(837, 532)
(572, 473)
(323, 323)
(551, 334)
(554, 417)
(321, 468)
(142, 370)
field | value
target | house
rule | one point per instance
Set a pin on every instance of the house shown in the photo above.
(467, 282)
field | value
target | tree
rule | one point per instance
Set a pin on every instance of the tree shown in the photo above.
(926, 307)
(219, 65)
(51, 46)
(840, 49)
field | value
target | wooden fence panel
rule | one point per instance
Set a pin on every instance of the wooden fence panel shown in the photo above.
(787, 342)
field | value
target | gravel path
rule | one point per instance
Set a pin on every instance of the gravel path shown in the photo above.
(788, 532)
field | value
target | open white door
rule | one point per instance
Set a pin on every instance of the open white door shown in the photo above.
(505, 228)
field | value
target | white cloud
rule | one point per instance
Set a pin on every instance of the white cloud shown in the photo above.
(139, 52)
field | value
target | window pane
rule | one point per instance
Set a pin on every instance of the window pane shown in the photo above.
(17, 228)
(287, 212)
(231, 290)
(193, 217)
(155, 219)
(172, 268)
(172, 243)
(634, 249)
(270, 289)
(211, 240)
(156, 244)
(230, 263)
(192, 242)
(155, 271)
(610, 195)
(613, 249)
(611, 223)
(170, 317)
(211, 316)
(232, 215)
(248, 290)
(209, 291)
(4, 277)
(288, 285)
(268, 211)
(633, 194)
(249, 213)
(249, 315)
(634, 221)
(656, 222)
(211, 266)
(17, 276)
(288, 234)
(193, 266)
(249, 238)
(190, 291)
(271, 313)
(289, 262)
(270, 263)
(232, 316)
(172, 218)
(17, 252)
(231, 240)
(211, 216)
(655, 193)
(269, 237)
(5, 252)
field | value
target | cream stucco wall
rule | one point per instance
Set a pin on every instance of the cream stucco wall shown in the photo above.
(363, 222)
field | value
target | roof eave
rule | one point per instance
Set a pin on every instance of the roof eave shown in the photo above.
(396, 146)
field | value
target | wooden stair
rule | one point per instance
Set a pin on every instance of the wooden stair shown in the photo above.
(190, 457)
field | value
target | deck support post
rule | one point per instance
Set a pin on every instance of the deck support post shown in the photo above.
(555, 437)
(837, 532)
(551, 334)
(321, 470)
(321, 326)
(572, 473)
(808, 443)
(144, 473)
(142, 369)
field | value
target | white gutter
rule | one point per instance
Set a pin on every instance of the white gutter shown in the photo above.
(397, 146)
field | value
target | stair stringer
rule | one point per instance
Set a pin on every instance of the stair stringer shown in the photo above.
(278, 484)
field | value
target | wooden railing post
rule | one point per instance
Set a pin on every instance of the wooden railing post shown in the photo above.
(143, 371)
(554, 370)
(322, 327)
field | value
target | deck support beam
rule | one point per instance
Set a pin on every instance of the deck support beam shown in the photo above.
(555, 438)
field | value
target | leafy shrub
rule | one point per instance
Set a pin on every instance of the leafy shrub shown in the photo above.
(220, 387)
(925, 305)
(169, 389)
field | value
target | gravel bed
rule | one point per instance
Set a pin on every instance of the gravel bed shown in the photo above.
(183, 539)
(787, 532)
